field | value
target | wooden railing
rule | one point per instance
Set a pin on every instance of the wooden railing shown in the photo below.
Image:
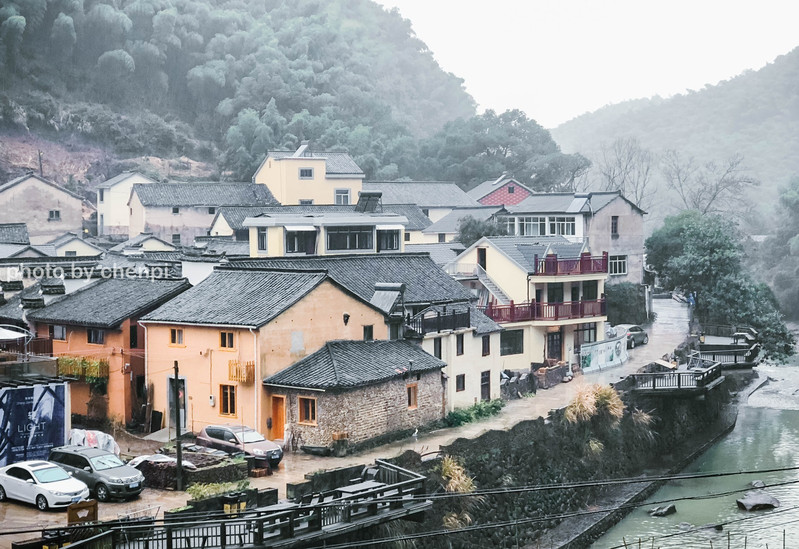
(243, 373)
(546, 311)
(585, 264)
(440, 321)
(741, 355)
(728, 330)
(696, 379)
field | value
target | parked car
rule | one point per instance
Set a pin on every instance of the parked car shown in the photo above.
(44, 484)
(103, 472)
(635, 334)
(238, 438)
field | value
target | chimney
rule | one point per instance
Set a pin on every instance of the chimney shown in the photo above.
(33, 302)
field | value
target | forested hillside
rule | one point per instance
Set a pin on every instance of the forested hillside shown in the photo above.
(754, 115)
(223, 81)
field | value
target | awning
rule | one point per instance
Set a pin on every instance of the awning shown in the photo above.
(300, 228)
(11, 335)
(389, 227)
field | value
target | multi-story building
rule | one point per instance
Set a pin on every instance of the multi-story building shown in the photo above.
(113, 213)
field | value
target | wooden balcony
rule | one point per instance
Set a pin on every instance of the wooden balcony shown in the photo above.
(243, 373)
(552, 265)
(679, 383)
(546, 311)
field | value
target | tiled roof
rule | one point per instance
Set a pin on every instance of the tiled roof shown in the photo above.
(426, 194)
(11, 310)
(14, 233)
(107, 302)
(238, 297)
(441, 253)
(523, 249)
(120, 178)
(7, 185)
(212, 194)
(336, 163)
(568, 202)
(138, 240)
(450, 222)
(227, 246)
(417, 220)
(425, 281)
(487, 187)
(350, 364)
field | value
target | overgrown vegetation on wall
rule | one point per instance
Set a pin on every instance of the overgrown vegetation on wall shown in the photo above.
(626, 303)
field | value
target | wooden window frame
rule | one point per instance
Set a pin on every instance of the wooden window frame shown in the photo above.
(99, 340)
(226, 391)
(176, 337)
(459, 344)
(368, 332)
(227, 340)
(53, 332)
(486, 345)
(460, 383)
(309, 172)
(301, 411)
(412, 396)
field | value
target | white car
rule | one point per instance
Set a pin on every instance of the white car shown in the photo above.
(42, 483)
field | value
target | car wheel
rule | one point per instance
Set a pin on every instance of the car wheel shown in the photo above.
(41, 503)
(632, 343)
(102, 492)
(646, 339)
(2, 494)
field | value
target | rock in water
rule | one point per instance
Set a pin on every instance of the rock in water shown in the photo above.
(663, 510)
(757, 484)
(757, 501)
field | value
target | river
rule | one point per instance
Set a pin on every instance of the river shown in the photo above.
(766, 436)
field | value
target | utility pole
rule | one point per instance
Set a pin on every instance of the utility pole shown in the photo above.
(41, 169)
(176, 400)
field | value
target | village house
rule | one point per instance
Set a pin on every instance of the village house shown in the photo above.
(360, 391)
(546, 292)
(304, 177)
(605, 220)
(113, 213)
(446, 229)
(435, 198)
(441, 254)
(239, 326)
(142, 243)
(95, 334)
(179, 212)
(48, 209)
(71, 245)
(503, 191)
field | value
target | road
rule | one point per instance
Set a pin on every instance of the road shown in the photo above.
(665, 334)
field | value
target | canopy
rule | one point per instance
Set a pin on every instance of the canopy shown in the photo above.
(11, 335)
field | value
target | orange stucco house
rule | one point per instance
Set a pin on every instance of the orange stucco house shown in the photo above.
(239, 326)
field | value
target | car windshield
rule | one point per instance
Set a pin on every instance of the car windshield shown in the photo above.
(50, 474)
(109, 461)
(250, 436)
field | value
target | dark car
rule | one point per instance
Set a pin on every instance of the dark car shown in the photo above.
(635, 334)
(234, 439)
(104, 473)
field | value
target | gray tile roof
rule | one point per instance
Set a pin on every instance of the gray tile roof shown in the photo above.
(550, 203)
(450, 222)
(336, 163)
(218, 246)
(441, 253)
(212, 194)
(425, 281)
(523, 249)
(14, 233)
(107, 302)
(346, 365)
(426, 194)
(11, 311)
(238, 297)
(487, 187)
(120, 178)
(137, 241)
(7, 185)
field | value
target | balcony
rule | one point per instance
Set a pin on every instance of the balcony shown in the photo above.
(439, 321)
(551, 265)
(546, 311)
(243, 373)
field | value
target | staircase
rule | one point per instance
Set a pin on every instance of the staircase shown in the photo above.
(501, 297)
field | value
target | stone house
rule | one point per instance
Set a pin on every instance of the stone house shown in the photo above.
(113, 213)
(48, 209)
(360, 390)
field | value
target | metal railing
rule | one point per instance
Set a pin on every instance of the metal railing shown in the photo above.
(691, 379)
(585, 264)
(440, 321)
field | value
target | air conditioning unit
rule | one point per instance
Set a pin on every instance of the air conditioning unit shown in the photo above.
(212, 400)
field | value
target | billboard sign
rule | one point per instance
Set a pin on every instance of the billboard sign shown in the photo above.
(33, 420)
(603, 354)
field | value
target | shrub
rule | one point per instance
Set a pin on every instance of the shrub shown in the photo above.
(203, 491)
(626, 303)
(482, 409)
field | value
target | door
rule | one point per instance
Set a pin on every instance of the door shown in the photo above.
(555, 345)
(481, 258)
(181, 398)
(485, 385)
(278, 418)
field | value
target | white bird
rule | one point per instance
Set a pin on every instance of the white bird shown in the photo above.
(415, 434)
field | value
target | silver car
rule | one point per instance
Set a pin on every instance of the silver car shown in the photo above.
(44, 484)
(635, 334)
(105, 474)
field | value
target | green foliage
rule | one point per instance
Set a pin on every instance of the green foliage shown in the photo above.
(470, 230)
(626, 303)
(199, 491)
(482, 409)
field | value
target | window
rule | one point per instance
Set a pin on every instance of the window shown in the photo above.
(486, 345)
(226, 340)
(301, 242)
(95, 336)
(614, 225)
(349, 238)
(562, 226)
(100, 193)
(388, 240)
(134, 336)
(176, 336)
(261, 239)
(306, 201)
(412, 392)
(532, 226)
(459, 344)
(369, 332)
(511, 189)
(437, 347)
(342, 196)
(58, 332)
(442, 238)
(70, 253)
(176, 239)
(617, 265)
(227, 400)
(460, 382)
(212, 210)
(306, 173)
(511, 342)
(307, 408)
(54, 215)
(407, 237)
(584, 333)
(175, 210)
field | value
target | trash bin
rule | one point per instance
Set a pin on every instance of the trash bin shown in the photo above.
(231, 503)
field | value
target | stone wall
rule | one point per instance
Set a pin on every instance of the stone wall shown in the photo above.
(368, 412)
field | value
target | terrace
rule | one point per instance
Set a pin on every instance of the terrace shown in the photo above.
(587, 308)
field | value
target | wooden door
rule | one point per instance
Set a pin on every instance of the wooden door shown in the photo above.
(278, 418)
(485, 385)
(555, 345)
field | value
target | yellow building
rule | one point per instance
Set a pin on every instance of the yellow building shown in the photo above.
(307, 177)
(239, 326)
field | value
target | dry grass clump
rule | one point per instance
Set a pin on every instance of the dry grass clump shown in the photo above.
(609, 402)
(453, 521)
(583, 406)
(642, 421)
(595, 447)
(456, 477)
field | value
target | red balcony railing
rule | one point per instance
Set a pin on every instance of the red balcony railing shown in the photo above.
(546, 311)
(585, 264)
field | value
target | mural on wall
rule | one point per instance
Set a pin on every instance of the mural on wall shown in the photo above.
(32, 421)
(603, 354)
